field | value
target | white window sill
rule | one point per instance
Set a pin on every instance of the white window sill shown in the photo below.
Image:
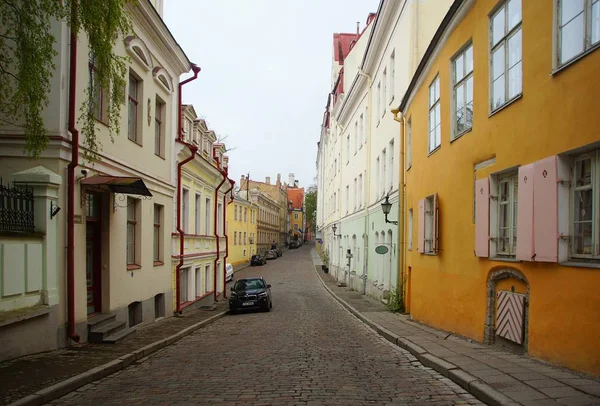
(435, 150)
(581, 264)
(504, 259)
(459, 135)
(505, 105)
(576, 59)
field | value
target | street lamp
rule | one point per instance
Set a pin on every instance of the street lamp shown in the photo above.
(334, 228)
(386, 206)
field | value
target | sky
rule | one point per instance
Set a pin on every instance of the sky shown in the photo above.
(266, 73)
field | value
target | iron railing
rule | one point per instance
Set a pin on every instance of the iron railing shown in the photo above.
(16, 208)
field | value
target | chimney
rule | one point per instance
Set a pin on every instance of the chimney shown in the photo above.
(242, 179)
(268, 180)
(358, 28)
(278, 179)
(291, 181)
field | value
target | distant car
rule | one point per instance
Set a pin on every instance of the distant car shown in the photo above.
(294, 244)
(250, 293)
(228, 272)
(271, 254)
(257, 260)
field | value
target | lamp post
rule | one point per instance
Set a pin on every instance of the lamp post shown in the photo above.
(334, 228)
(386, 206)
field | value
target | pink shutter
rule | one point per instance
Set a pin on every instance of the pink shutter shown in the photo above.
(525, 214)
(436, 224)
(545, 210)
(482, 217)
(421, 242)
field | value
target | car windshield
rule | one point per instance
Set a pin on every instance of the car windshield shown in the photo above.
(248, 284)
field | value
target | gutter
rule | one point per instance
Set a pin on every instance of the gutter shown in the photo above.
(402, 233)
(72, 334)
(231, 183)
(216, 235)
(193, 150)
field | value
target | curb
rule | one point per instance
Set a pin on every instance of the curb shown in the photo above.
(468, 382)
(75, 382)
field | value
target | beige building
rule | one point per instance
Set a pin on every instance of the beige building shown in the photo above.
(113, 232)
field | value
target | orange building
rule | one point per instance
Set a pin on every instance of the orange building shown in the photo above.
(502, 139)
(296, 199)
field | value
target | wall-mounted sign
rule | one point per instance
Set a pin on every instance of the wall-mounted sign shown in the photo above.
(381, 249)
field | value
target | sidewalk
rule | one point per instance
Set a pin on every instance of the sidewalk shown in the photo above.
(69, 368)
(492, 375)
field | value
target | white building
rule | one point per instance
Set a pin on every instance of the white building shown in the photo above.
(115, 270)
(359, 147)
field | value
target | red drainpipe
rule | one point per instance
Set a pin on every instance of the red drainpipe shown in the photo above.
(71, 187)
(231, 183)
(224, 173)
(193, 149)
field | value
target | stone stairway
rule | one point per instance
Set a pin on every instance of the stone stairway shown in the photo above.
(104, 328)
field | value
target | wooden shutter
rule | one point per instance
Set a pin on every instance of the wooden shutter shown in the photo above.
(482, 217)
(525, 243)
(436, 224)
(421, 222)
(545, 210)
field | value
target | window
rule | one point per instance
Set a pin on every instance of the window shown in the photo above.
(463, 91)
(356, 137)
(347, 199)
(207, 285)
(207, 217)
(384, 95)
(391, 153)
(392, 75)
(97, 106)
(132, 237)
(245, 214)
(235, 238)
(360, 186)
(198, 215)
(378, 101)
(585, 206)
(132, 129)
(198, 275)
(183, 285)
(235, 212)
(159, 136)
(354, 193)
(383, 171)
(347, 149)
(295, 216)
(506, 45)
(185, 198)
(377, 178)
(409, 144)
(220, 218)
(506, 236)
(244, 238)
(435, 136)
(361, 130)
(157, 233)
(430, 225)
(578, 28)
(410, 229)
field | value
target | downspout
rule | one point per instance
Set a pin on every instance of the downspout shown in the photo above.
(402, 233)
(71, 185)
(193, 149)
(224, 174)
(367, 178)
(231, 183)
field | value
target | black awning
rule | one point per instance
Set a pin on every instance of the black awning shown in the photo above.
(118, 184)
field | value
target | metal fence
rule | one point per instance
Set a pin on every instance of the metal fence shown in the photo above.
(16, 208)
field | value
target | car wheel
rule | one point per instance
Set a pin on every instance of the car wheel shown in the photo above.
(268, 308)
(270, 305)
(231, 310)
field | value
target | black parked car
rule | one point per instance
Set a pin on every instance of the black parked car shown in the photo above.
(294, 244)
(250, 293)
(257, 260)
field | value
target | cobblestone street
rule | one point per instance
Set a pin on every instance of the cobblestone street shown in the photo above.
(307, 351)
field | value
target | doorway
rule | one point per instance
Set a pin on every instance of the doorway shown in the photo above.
(93, 252)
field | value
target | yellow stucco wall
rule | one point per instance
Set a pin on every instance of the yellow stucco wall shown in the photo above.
(238, 225)
(556, 113)
(299, 222)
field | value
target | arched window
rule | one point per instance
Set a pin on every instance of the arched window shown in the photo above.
(137, 49)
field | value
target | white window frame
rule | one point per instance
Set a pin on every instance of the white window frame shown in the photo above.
(409, 143)
(505, 42)
(435, 108)
(586, 38)
(384, 95)
(429, 225)
(362, 131)
(348, 149)
(391, 168)
(594, 186)
(207, 217)
(185, 208)
(392, 75)
(383, 179)
(410, 229)
(378, 101)
(198, 214)
(461, 86)
(355, 137)
(207, 279)
(511, 177)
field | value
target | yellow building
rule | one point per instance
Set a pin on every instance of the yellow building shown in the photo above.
(241, 230)
(198, 272)
(503, 179)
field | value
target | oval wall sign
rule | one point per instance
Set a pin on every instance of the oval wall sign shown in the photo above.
(381, 249)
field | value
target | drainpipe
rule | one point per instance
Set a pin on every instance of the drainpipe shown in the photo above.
(402, 234)
(193, 149)
(71, 186)
(224, 174)
(367, 178)
(231, 183)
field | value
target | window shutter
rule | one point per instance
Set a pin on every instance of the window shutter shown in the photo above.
(482, 217)
(436, 224)
(525, 242)
(545, 210)
(421, 242)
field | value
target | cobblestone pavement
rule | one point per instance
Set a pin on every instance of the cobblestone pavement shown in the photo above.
(307, 351)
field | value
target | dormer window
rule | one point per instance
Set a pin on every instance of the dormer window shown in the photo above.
(163, 79)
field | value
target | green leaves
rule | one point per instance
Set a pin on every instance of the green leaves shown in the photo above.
(27, 64)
